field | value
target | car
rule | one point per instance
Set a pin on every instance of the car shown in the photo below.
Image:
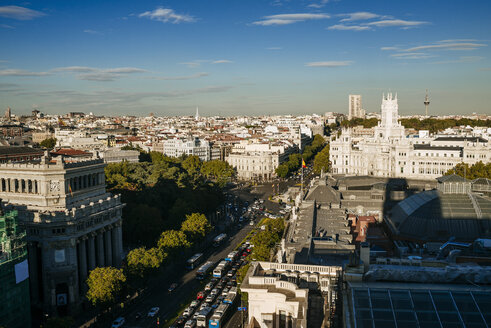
(208, 286)
(190, 324)
(180, 321)
(172, 287)
(194, 304)
(188, 312)
(225, 291)
(119, 322)
(210, 298)
(201, 295)
(153, 312)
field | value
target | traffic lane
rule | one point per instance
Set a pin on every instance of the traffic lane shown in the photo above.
(170, 303)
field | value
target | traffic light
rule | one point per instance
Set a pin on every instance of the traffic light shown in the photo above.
(158, 321)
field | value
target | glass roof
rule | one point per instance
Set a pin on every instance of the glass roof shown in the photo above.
(380, 308)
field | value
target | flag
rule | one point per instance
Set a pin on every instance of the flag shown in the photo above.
(70, 190)
(303, 164)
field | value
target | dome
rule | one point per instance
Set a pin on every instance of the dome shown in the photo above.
(436, 216)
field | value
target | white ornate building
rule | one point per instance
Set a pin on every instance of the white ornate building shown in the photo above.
(176, 147)
(389, 152)
(73, 225)
(257, 161)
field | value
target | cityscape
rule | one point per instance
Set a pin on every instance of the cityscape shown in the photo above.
(278, 164)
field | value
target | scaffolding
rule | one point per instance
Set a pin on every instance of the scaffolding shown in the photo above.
(14, 289)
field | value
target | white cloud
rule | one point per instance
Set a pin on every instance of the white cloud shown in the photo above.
(342, 27)
(274, 48)
(329, 63)
(21, 72)
(167, 15)
(285, 19)
(396, 22)
(222, 61)
(389, 48)
(198, 62)
(20, 13)
(7, 26)
(462, 59)
(412, 55)
(361, 15)
(98, 74)
(318, 5)
(177, 78)
(444, 45)
(89, 31)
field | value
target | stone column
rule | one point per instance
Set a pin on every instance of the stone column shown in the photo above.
(120, 240)
(92, 255)
(114, 240)
(100, 249)
(108, 248)
(82, 256)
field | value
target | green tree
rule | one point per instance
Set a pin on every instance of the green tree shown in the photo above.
(321, 160)
(196, 226)
(478, 170)
(192, 165)
(141, 261)
(173, 241)
(105, 285)
(282, 171)
(219, 171)
(48, 143)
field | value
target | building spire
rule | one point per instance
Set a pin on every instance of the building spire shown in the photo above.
(426, 102)
(196, 117)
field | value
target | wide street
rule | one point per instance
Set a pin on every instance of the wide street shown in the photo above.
(169, 303)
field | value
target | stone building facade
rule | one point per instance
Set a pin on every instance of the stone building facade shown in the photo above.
(389, 152)
(73, 225)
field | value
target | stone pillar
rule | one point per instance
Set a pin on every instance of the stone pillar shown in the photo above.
(114, 240)
(100, 249)
(92, 255)
(108, 248)
(82, 256)
(120, 240)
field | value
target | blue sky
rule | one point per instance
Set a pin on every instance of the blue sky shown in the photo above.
(232, 57)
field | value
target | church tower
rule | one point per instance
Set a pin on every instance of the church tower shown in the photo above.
(389, 126)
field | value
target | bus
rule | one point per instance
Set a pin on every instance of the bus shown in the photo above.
(203, 317)
(231, 296)
(192, 263)
(219, 239)
(203, 270)
(231, 256)
(220, 316)
(220, 270)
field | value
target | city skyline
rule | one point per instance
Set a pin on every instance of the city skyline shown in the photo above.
(278, 57)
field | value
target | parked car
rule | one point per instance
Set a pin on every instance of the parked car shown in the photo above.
(119, 322)
(153, 312)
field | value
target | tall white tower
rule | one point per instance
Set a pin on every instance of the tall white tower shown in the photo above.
(389, 125)
(196, 117)
(355, 108)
